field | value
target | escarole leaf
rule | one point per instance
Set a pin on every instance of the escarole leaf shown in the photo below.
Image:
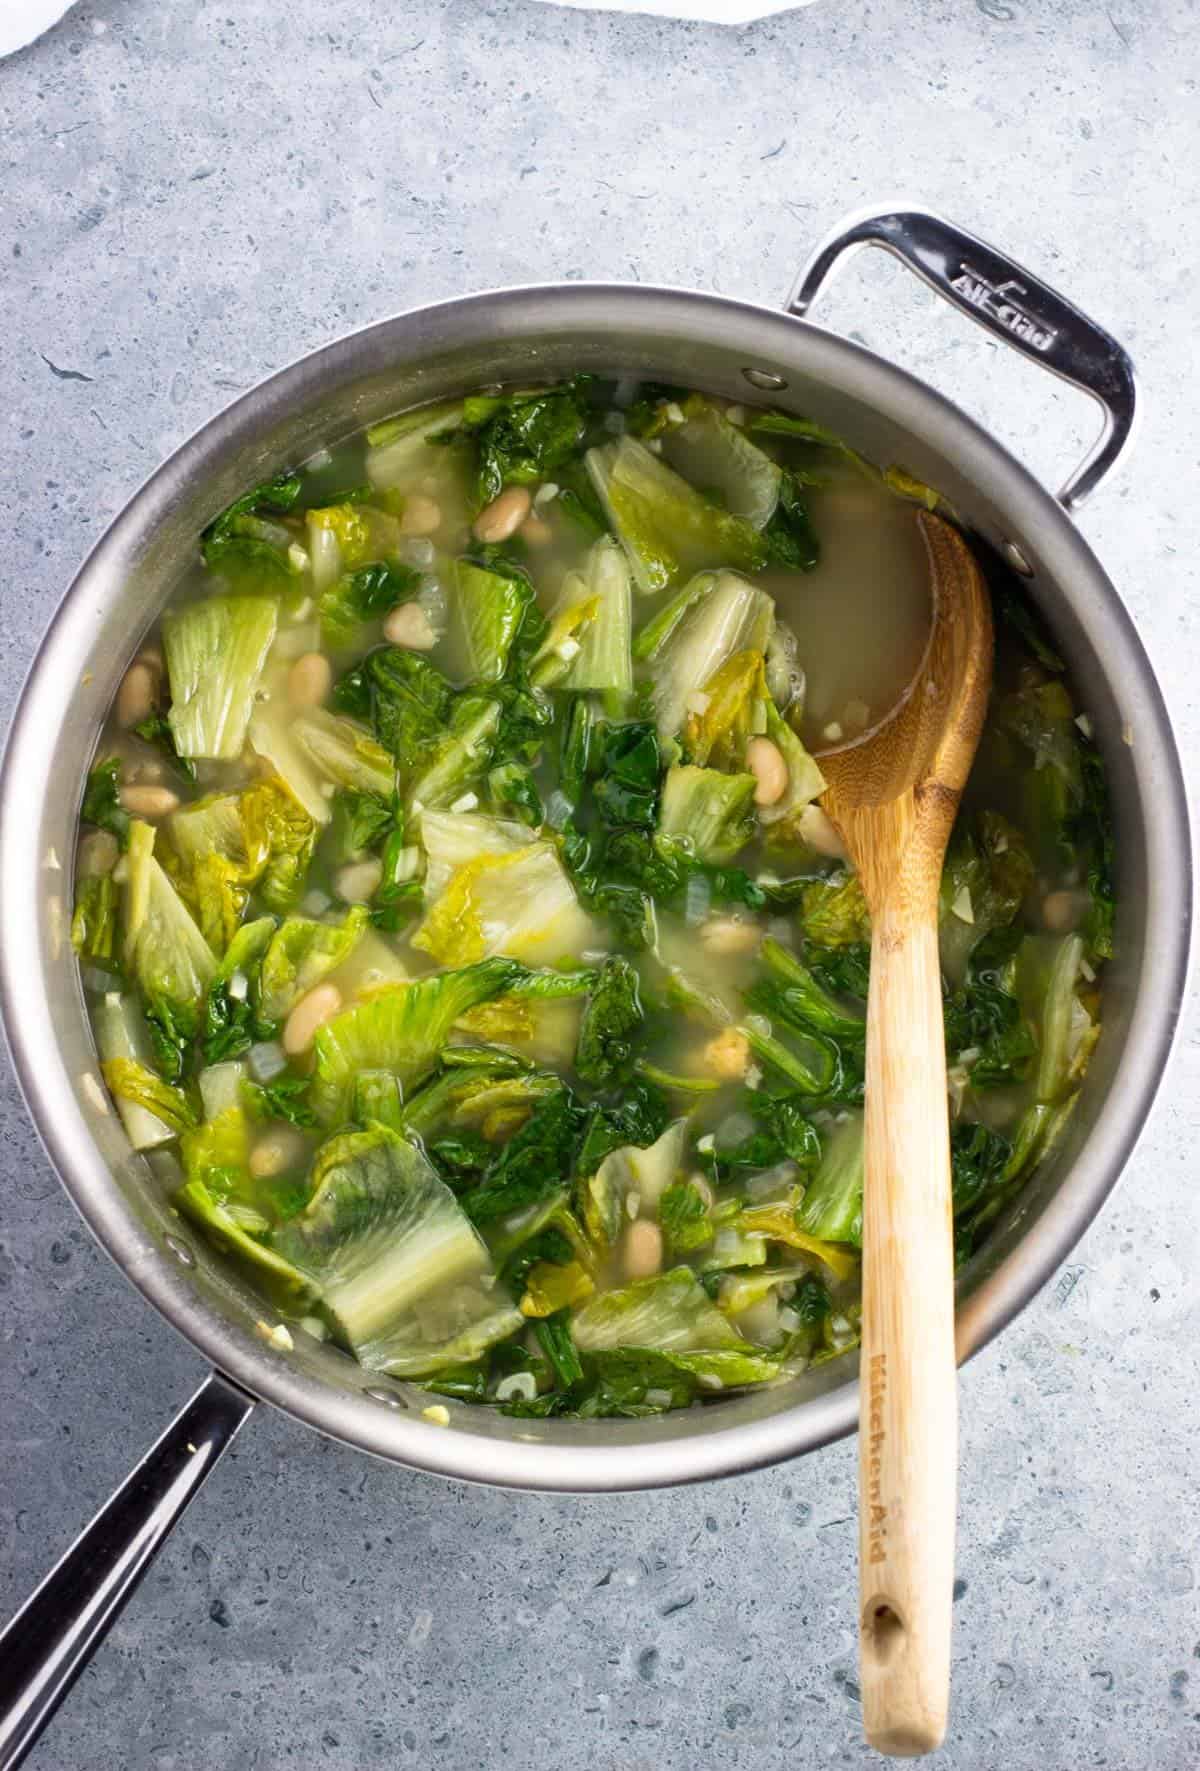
(401, 1028)
(544, 1028)
(805, 780)
(1048, 975)
(123, 1038)
(218, 1219)
(102, 800)
(137, 1084)
(685, 1218)
(604, 659)
(399, 449)
(805, 1000)
(777, 1222)
(731, 710)
(233, 1019)
(574, 613)
(301, 953)
(164, 950)
(833, 911)
(666, 527)
(461, 756)
(987, 874)
(343, 751)
(403, 1277)
(521, 437)
(344, 536)
(247, 542)
(535, 1163)
(790, 535)
(712, 452)
(831, 1209)
(155, 729)
(358, 598)
(642, 1172)
(315, 751)
(672, 1314)
(612, 1017)
(361, 824)
(217, 1153)
(209, 859)
(519, 903)
(94, 920)
(405, 698)
(712, 813)
(220, 847)
(729, 617)
(215, 650)
(451, 839)
(1094, 832)
(486, 610)
(453, 1097)
(475, 1099)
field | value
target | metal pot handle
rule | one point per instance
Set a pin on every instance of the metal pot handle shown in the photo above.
(1010, 302)
(52, 1637)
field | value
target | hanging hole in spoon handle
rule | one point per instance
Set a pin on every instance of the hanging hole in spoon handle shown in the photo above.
(883, 1630)
(1007, 301)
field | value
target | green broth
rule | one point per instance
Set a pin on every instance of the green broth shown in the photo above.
(462, 933)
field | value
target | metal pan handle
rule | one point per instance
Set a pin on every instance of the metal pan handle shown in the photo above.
(1010, 302)
(50, 1640)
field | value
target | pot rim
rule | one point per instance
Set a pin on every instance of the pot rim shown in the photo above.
(661, 1458)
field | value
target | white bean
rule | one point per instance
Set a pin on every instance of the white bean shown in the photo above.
(728, 1055)
(312, 1011)
(309, 680)
(820, 832)
(358, 881)
(728, 934)
(98, 854)
(420, 516)
(765, 762)
(410, 626)
(1062, 911)
(136, 696)
(143, 768)
(148, 802)
(275, 1152)
(642, 1249)
(152, 655)
(536, 532)
(504, 515)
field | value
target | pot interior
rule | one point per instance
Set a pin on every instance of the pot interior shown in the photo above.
(519, 336)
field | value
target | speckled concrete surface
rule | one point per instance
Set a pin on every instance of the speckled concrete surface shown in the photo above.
(191, 195)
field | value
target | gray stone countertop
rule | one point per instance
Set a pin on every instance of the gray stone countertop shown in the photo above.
(190, 197)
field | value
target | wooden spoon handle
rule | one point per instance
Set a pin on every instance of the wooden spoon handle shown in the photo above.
(908, 1420)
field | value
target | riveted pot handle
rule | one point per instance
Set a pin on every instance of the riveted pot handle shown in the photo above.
(52, 1637)
(1010, 302)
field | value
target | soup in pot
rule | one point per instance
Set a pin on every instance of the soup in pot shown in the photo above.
(463, 937)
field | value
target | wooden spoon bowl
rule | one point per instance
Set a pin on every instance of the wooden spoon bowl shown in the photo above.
(893, 796)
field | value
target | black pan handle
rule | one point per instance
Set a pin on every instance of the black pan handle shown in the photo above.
(52, 1637)
(1009, 302)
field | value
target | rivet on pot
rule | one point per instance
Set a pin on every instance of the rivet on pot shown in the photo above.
(181, 1251)
(389, 1398)
(765, 379)
(1016, 559)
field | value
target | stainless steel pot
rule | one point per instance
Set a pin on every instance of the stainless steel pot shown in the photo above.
(731, 348)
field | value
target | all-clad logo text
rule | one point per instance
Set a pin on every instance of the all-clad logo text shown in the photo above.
(999, 301)
(876, 1511)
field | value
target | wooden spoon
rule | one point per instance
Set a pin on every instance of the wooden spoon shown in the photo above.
(893, 795)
